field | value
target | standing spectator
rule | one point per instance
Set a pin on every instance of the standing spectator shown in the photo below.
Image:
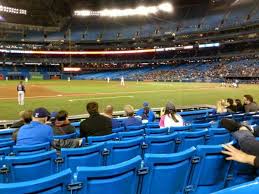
(108, 111)
(249, 104)
(170, 117)
(231, 107)
(37, 131)
(239, 105)
(96, 124)
(62, 125)
(131, 120)
(146, 113)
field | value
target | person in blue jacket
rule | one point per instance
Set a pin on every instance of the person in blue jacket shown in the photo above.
(146, 113)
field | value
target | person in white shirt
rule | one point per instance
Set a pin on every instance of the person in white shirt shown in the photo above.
(108, 79)
(171, 118)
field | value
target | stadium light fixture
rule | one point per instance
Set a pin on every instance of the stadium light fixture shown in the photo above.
(140, 10)
(12, 10)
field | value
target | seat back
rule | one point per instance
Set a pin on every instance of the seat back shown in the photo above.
(31, 149)
(154, 131)
(245, 188)
(131, 134)
(84, 156)
(120, 151)
(6, 148)
(218, 136)
(168, 173)
(134, 128)
(67, 136)
(210, 170)
(115, 179)
(53, 184)
(29, 167)
(152, 125)
(117, 130)
(6, 133)
(161, 144)
(100, 139)
(201, 126)
(179, 129)
(189, 139)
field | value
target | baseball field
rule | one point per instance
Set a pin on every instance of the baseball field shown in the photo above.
(73, 96)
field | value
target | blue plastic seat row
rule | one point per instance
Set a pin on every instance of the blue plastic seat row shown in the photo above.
(196, 170)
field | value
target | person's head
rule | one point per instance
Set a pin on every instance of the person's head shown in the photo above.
(62, 115)
(92, 107)
(26, 116)
(41, 115)
(129, 111)
(108, 110)
(170, 108)
(248, 99)
(145, 104)
(230, 101)
(238, 102)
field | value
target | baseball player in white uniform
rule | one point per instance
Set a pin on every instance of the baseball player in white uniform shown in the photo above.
(21, 93)
(122, 81)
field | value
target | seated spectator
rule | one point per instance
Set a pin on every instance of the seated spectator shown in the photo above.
(231, 107)
(170, 117)
(95, 124)
(108, 111)
(36, 131)
(239, 105)
(131, 120)
(221, 106)
(249, 104)
(62, 125)
(146, 113)
(25, 118)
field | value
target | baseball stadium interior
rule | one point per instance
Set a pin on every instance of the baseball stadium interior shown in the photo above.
(129, 96)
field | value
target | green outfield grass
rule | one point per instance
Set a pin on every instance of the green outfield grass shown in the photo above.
(81, 92)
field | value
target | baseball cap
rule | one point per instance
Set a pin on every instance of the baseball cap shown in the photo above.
(145, 104)
(53, 115)
(41, 113)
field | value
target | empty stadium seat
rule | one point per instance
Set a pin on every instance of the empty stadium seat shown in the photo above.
(178, 129)
(134, 128)
(152, 125)
(53, 184)
(120, 151)
(246, 188)
(209, 171)
(189, 139)
(159, 131)
(67, 136)
(85, 156)
(161, 144)
(218, 136)
(6, 133)
(29, 167)
(2, 140)
(99, 139)
(115, 179)
(168, 173)
(201, 126)
(130, 134)
(30, 149)
(117, 130)
(6, 148)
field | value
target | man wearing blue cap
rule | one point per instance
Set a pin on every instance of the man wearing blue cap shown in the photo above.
(37, 131)
(146, 113)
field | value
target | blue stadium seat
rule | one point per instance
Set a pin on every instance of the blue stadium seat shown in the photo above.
(218, 136)
(152, 125)
(115, 179)
(117, 130)
(6, 148)
(6, 133)
(3, 140)
(245, 188)
(53, 184)
(189, 139)
(178, 129)
(168, 173)
(161, 144)
(120, 151)
(76, 125)
(130, 134)
(67, 136)
(85, 156)
(29, 167)
(154, 131)
(31, 149)
(100, 139)
(209, 171)
(201, 126)
(134, 128)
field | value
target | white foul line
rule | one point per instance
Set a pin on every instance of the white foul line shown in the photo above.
(100, 98)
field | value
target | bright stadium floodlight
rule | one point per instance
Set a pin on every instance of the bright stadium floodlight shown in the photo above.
(12, 10)
(140, 10)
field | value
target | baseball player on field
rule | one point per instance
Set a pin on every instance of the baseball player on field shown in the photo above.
(21, 93)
